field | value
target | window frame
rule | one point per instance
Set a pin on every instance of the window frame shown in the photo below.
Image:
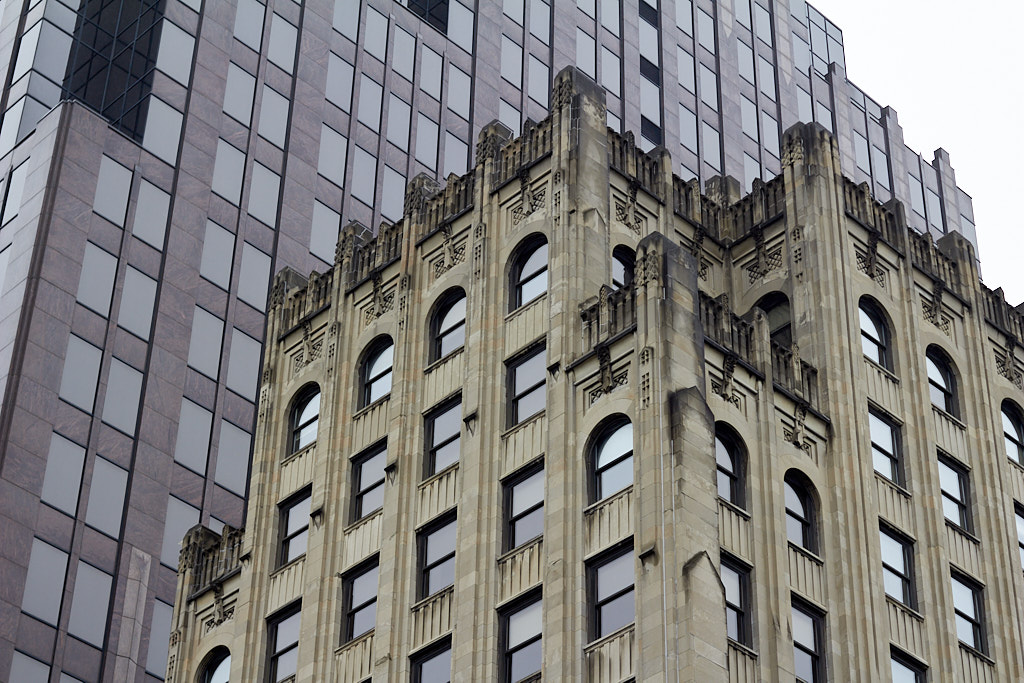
(423, 567)
(216, 658)
(977, 621)
(418, 658)
(939, 360)
(1018, 511)
(962, 499)
(808, 519)
(895, 458)
(1010, 413)
(733, 446)
(742, 610)
(881, 340)
(359, 490)
(602, 435)
(349, 608)
(303, 399)
(374, 351)
(273, 653)
(905, 575)
(430, 467)
(438, 334)
(285, 509)
(518, 278)
(816, 652)
(508, 505)
(908, 662)
(626, 258)
(512, 397)
(505, 615)
(595, 604)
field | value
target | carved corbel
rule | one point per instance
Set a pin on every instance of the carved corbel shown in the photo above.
(604, 359)
(799, 425)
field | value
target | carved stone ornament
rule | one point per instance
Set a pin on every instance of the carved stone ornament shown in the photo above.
(530, 200)
(451, 255)
(488, 146)
(562, 96)
(629, 213)
(933, 309)
(726, 389)
(797, 435)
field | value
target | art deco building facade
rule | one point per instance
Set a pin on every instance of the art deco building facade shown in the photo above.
(572, 419)
(160, 159)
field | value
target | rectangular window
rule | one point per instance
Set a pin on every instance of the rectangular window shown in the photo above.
(885, 447)
(436, 551)
(360, 600)
(294, 527)
(96, 282)
(137, 298)
(808, 638)
(44, 583)
(1018, 516)
(403, 57)
(81, 372)
(586, 53)
(339, 82)
(527, 392)
(179, 518)
(611, 593)
(522, 654)
(283, 635)
(430, 73)
(434, 666)
(967, 606)
(205, 344)
(113, 185)
(368, 481)
(511, 61)
(376, 36)
(426, 141)
(905, 669)
(897, 566)
(443, 432)
(15, 191)
(89, 604)
(63, 478)
(955, 485)
(105, 508)
(370, 94)
(736, 579)
(524, 507)
(151, 214)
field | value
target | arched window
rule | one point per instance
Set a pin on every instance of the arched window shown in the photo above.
(448, 327)
(801, 520)
(874, 334)
(376, 371)
(529, 274)
(776, 308)
(305, 418)
(217, 667)
(731, 462)
(623, 260)
(1013, 432)
(612, 459)
(941, 381)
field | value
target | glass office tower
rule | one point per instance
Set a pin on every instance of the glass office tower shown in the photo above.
(161, 159)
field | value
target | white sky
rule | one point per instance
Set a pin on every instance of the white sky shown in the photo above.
(952, 71)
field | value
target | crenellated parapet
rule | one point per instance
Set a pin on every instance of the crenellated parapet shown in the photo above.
(208, 558)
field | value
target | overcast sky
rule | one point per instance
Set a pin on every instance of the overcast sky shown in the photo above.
(952, 72)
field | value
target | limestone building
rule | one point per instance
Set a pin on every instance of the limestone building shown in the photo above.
(572, 419)
(161, 159)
